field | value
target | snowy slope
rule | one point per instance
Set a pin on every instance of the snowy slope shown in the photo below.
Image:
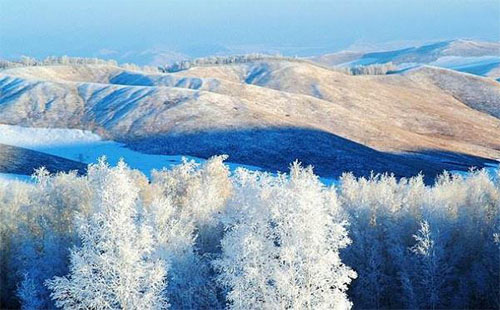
(265, 113)
(85, 146)
(480, 58)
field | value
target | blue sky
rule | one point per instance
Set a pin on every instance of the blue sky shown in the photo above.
(196, 28)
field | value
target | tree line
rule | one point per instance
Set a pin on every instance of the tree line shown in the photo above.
(201, 237)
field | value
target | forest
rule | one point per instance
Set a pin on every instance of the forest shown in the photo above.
(200, 236)
(26, 61)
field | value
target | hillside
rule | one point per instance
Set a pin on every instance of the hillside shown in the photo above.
(269, 113)
(480, 58)
(19, 160)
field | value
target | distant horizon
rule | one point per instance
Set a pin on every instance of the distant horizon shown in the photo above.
(362, 47)
(157, 31)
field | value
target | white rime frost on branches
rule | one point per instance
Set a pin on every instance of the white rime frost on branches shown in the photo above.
(281, 250)
(200, 237)
(113, 268)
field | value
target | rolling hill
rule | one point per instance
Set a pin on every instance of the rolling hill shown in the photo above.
(268, 113)
(480, 58)
(17, 160)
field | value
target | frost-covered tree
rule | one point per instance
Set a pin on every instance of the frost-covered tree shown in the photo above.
(413, 246)
(375, 69)
(432, 269)
(238, 59)
(113, 267)
(190, 283)
(28, 61)
(459, 270)
(187, 228)
(201, 191)
(281, 249)
(42, 239)
(13, 196)
(40, 260)
(369, 203)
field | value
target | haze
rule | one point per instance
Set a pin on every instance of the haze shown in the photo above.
(197, 28)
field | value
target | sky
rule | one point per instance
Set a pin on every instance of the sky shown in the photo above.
(156, 30)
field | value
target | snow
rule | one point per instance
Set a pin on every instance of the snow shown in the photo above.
(85, 146)
(491, 169)
(40, 138)
(474, 65)
(458, 61)
(361, 62)
(478, 65)
(12, 177)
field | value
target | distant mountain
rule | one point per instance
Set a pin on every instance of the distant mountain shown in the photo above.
(268, 113)
(153, 57)
(481, 58)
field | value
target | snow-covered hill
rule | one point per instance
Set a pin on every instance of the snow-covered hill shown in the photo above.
(268, 113)
(86, 147)
(480, 58)
(23, 161)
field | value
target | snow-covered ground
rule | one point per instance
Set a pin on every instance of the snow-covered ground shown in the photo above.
(474, 65)
(490, 168)
(11, 177)
(460, 61)
(85, 146)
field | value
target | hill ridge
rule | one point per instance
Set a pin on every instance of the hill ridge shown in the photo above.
(424, 113)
